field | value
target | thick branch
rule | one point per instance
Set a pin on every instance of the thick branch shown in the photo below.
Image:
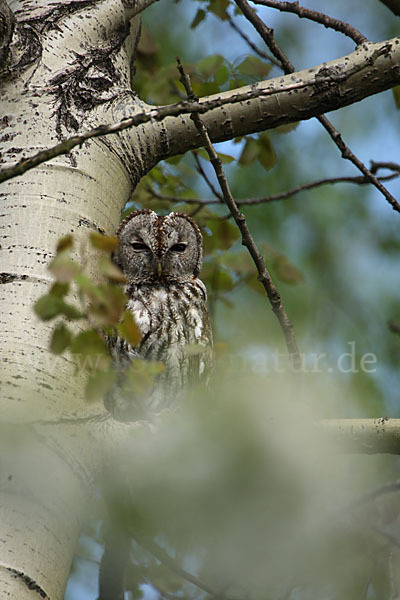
(372, 68)
(366, 436)
(393, 5)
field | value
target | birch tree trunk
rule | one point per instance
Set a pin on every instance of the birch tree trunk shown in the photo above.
(66, 68)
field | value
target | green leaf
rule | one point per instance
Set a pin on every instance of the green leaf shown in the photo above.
(90, 351)
(219, 8)
(253, 282)
(64, 243)
(146, 44)
(255, 67)
(99, 382)
(129, 330)
(396, 95)
(72, 313)
(225, 158)
(198, 18)
(111, 271)
(224, 232)
(222, 281)
(249, 152)
(286, 271)
(206, 88)
(107, 303)
(222, 75)
(59, 289)
(209, 66)
(140, 377)
(63, 268)
(104, 242)
(287, 128)
(60, 339)
(266, 155)
(48, 307)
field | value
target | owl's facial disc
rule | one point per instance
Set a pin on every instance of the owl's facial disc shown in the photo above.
(159, 248)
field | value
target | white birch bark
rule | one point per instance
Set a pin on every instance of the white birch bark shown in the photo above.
(66, 67)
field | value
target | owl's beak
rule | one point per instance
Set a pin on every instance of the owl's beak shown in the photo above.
(159, 269)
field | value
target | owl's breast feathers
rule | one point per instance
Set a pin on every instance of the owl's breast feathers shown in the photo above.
(173, 320)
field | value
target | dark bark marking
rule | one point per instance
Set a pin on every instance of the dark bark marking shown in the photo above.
(10, 277)
(29, 582)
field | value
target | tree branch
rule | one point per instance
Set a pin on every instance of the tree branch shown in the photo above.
(251, 109)
(393, 5)
(358, 180)
(267, 35)
(366, 436)
(247, 240)
(251, 45)
(318, 17)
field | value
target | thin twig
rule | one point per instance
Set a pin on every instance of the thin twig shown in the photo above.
(318, 17)
(358, 180)
(251, 45)
(161, 555)
(375, 166)
(382, 490)
(267, 35)
(204, 175)
(247, 239)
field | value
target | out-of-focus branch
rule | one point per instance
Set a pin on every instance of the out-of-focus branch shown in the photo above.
(318, 17)
(203, 174)
(247, 239)
(365, 436)
(160, 554)
(393, 5)
(267, 35)
(358, 180)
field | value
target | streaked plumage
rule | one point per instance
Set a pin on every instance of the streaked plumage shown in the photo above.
(161, 258)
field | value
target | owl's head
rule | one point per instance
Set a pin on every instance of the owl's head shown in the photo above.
(154, 248)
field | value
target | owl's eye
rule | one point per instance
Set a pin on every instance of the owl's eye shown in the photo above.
(139, 246)
(179, 247)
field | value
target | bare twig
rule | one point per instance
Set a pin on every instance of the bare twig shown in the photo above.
(382, 490)
(267, 35)
(375, 166)
(358, 180)
(204, 175)
(251, 45)
(161, 555)
(349, 155)
(247, 239)
(318, 17)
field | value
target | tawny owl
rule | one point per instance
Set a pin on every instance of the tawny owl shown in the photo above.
(161, 257)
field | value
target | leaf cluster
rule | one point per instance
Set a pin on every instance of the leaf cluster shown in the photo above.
(98, 307)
